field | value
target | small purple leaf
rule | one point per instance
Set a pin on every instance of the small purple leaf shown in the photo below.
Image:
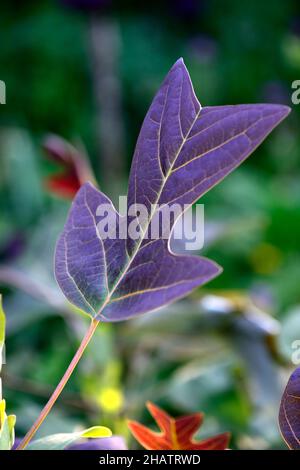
(182, 151)
(289, 414)
(105, 443)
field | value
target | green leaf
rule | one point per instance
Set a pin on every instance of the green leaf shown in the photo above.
(5, 441)
(63, 440)
(7, 424)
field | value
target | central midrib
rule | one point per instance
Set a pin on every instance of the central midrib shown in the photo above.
(134, 253)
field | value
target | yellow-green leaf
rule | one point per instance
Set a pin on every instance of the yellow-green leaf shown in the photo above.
(96, 432)
(63, 440)
(7, 432)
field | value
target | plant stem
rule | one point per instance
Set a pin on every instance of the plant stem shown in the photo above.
(44, 413)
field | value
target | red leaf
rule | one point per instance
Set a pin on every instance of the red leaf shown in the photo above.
(74, 167)
(176, 433)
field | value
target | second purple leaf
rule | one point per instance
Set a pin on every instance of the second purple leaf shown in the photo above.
(182, 151)
(289, 413)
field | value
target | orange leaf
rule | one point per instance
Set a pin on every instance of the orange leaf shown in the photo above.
(176, 433)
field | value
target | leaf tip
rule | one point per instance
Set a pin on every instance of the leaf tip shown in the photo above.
(214, 269)
(282, 110)
(179, 64)
(180, 61)
(149, 404)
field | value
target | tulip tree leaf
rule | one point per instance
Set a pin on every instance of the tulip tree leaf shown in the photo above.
(182, 151)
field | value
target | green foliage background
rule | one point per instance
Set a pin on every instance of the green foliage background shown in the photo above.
(216, 351)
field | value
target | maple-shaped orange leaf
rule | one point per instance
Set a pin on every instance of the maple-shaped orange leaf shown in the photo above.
(176, 433)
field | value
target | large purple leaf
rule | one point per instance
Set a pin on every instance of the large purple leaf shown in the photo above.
(182, 151)
(289, 414)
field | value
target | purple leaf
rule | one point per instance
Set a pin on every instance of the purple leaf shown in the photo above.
(85, 265)
(289, 414)
(182, 151)
(105, 443)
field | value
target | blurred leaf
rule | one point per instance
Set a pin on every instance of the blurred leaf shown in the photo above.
(59, 418)
(289, 338)
(5, 437)
(2, 333)
(74, 167)
(61, 441)
(214, 387)
(105, 443)
(21, 173)
(176, 433)
(7, 424)
(96, 431)
(253, 334)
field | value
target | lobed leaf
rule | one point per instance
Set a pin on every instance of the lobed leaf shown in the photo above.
(176, 434)
(289, 413)
(182, 151)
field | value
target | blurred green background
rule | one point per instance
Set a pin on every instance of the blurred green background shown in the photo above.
(88, 74)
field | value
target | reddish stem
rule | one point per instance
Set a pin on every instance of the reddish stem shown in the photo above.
(44, 413)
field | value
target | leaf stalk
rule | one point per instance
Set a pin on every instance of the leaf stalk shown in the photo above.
(47, 408)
